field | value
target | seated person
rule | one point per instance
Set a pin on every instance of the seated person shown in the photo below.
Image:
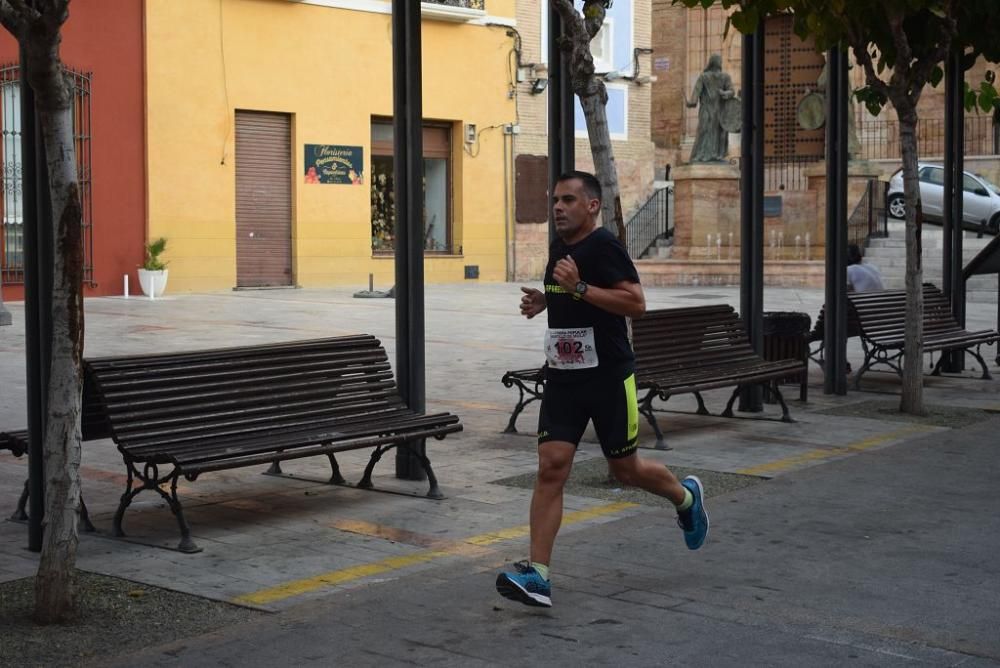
(861, 277)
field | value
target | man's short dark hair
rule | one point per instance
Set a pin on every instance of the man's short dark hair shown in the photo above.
(853, 254)
(591, 185)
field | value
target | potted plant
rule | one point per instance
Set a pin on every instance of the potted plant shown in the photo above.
(153, 272)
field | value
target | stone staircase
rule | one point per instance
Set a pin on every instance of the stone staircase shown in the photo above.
(889, 255)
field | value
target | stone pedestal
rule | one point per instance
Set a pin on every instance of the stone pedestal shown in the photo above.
(859, 173)
(706, 211)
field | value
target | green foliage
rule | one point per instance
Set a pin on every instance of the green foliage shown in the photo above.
(153, 251)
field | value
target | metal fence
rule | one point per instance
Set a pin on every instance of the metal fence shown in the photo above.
(869, 219)
(880, 138)
(787, 172)
(649, 223)
(11, 172)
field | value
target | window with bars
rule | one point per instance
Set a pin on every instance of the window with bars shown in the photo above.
(11, 178)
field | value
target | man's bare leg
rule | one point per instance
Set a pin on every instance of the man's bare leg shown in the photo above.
(648, 475)
(555, 460)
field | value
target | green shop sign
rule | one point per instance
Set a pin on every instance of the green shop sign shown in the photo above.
(326, 163)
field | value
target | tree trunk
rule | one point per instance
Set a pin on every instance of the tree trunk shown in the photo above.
(55, 584)
(595, 112)
(912, 400)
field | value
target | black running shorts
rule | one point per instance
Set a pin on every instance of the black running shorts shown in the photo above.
(611, 404)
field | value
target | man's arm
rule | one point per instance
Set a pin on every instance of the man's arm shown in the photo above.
(624, 298)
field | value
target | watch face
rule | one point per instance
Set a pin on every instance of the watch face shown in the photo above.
(581, 287)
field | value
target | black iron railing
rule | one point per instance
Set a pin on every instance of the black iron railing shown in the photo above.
(787, 172)
(869, 219)
(649, 223)
(11, 204)
(880, 138)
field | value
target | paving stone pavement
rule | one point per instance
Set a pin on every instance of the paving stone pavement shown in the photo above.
(788, 577)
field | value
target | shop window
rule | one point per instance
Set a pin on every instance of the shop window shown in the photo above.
(437, 223)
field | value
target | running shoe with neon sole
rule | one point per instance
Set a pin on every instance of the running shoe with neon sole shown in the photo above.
(526, 586)
(694, 520)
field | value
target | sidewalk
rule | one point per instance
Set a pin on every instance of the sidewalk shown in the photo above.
(872, 537)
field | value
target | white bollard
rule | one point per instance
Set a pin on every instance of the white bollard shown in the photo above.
(126, 286)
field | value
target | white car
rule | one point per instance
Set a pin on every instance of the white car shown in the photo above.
(981, 201)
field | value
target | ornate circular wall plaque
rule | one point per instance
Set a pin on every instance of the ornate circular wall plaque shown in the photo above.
(811, 112)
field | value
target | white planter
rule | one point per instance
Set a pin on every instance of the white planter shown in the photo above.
(153, 283)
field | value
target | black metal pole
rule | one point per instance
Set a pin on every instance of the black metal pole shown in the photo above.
(408, 172)
(835, 332)
(561, 120)
(953, 230)
(37, 301)
(752, 203)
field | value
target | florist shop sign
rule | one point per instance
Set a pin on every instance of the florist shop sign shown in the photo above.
(326, 163)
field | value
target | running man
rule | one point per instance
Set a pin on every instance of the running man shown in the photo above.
(591, 286)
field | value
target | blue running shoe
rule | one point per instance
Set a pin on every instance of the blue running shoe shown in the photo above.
(526, 586)
(694, 520)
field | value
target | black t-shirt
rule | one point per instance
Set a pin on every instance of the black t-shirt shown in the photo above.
(603, 262)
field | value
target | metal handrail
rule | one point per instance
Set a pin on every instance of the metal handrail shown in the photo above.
(649, 223)
(870, 220)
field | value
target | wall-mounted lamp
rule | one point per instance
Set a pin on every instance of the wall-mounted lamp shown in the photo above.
(538, 86)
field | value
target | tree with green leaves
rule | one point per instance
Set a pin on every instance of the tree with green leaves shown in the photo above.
(578, 30)
(37, 26)
(901, 46)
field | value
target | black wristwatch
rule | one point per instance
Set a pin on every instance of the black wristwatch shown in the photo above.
(581, 288)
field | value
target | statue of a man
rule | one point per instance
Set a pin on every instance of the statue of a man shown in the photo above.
(711, 142)
(853, 143)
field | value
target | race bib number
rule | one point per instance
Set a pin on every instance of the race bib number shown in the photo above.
(571, 348)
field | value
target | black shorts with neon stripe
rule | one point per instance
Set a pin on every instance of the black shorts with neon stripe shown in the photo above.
(610, 402)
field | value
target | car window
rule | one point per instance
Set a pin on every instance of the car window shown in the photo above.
(923, 174)
(935, 176)
(970, 184)
(989, 184)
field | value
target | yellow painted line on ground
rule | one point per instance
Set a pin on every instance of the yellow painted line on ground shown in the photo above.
(448, 548)
(568, 518)
(795, 461)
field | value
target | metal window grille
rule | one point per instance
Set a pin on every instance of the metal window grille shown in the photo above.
(11, 194)
(468, 4)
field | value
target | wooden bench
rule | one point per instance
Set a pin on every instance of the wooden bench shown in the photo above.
(881, 318)
(682, 351)
(183, 414)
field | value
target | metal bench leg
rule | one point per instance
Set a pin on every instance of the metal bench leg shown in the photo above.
(335, 477)
(869, 360)
(433, 492)
(274, 469)
(150, 478)
(366, 479)
(785, 415)
(732, 400)
(646, 408)
(979, 358)
(85, 522)
(701, 405)
(521, 402)
(21, 512)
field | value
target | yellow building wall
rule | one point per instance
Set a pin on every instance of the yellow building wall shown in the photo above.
(330, 69)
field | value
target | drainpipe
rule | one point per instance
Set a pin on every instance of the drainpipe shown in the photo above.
(510, 256)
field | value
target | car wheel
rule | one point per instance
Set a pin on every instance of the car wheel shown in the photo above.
(995, 224)
(897, 206)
